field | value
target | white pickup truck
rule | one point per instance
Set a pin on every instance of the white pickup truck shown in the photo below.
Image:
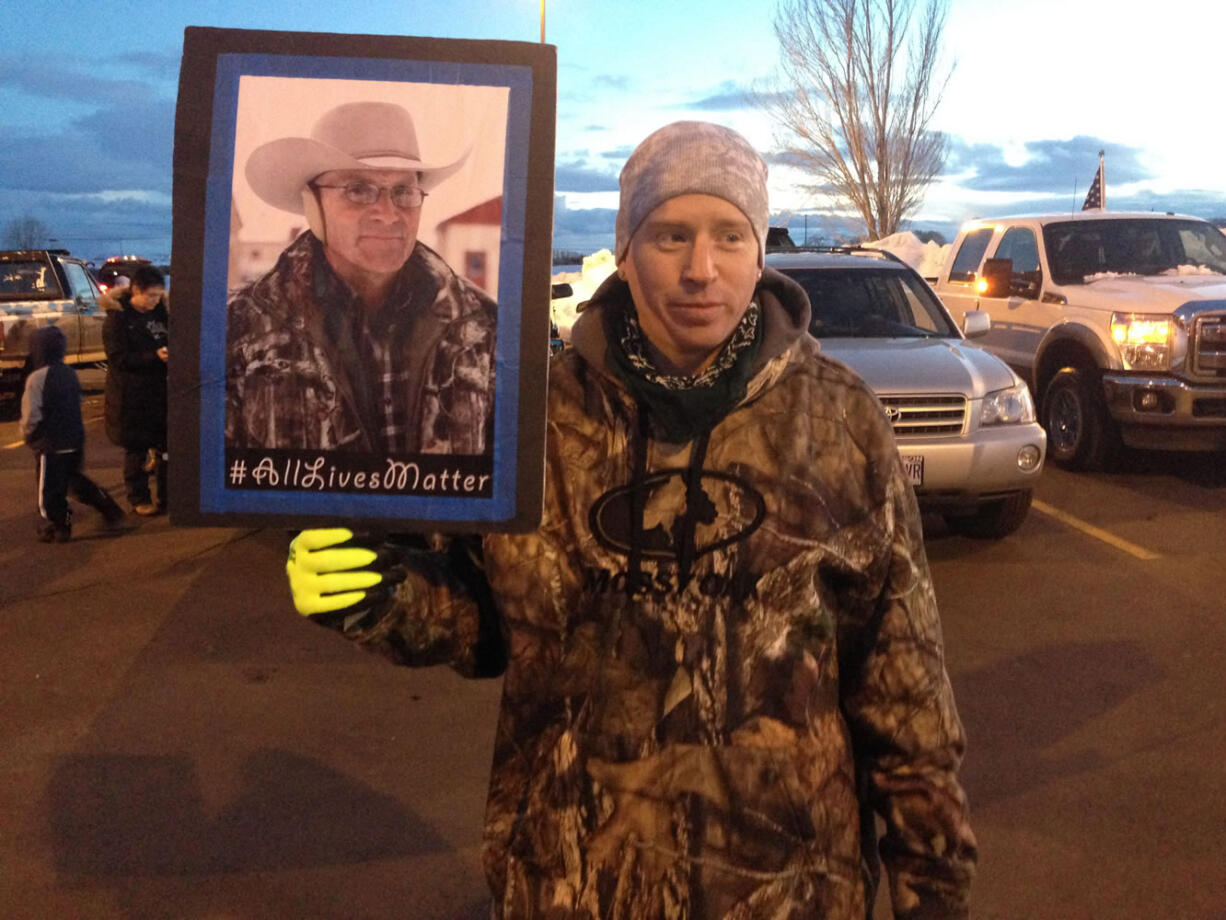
(46, 287)
(1116, 320)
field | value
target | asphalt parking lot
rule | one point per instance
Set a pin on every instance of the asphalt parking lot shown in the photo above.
(178, 743)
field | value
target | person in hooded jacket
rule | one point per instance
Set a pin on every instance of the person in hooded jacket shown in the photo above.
(723, 657)
(134, 335)
(51, 426)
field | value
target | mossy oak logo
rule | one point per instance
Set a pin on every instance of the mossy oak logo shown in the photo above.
(671, 526)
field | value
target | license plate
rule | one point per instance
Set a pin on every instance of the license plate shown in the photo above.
(913, 464)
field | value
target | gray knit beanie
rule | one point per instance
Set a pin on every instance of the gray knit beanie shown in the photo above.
(692, 158)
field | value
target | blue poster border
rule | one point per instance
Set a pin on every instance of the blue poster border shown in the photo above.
(214, 495)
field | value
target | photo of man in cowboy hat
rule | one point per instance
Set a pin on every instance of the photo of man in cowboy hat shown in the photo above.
(360, 338)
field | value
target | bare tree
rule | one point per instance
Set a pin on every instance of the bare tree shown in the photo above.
(856, 91)
(26, 232)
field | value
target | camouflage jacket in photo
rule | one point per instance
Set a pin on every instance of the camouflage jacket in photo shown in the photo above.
(297, 378)
(721, 663)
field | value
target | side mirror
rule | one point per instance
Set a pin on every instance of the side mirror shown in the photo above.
(562, 289)
(975, 323)
(995, 277)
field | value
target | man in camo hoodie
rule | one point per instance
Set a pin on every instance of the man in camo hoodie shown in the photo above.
(722, 650)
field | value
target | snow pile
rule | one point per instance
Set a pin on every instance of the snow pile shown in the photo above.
(925, 258)
(1190, 270)
(1175, 272)
(596, 267)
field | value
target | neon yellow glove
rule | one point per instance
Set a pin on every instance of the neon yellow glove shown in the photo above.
(327, 572)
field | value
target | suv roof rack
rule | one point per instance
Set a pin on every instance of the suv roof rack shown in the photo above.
(852, 249)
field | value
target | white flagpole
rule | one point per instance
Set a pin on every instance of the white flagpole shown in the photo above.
(1102, 183)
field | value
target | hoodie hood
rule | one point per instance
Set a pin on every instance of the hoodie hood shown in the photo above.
(117, 298)
(109, 300)
(48, 345)
(785, 318)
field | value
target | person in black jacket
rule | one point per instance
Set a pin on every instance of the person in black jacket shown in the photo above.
(51, 426)
(134, 335)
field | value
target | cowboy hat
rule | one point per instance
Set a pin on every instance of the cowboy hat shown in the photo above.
(356, 135)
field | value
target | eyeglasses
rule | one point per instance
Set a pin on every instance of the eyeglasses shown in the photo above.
(405, 197)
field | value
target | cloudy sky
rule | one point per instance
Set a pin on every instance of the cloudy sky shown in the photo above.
(87, 97)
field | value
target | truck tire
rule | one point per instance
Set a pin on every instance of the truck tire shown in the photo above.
(12, 385)
(1081, 435)
(995, 519)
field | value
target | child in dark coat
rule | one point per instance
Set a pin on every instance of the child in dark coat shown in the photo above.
(51, 426)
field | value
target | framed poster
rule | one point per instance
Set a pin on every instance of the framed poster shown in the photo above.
(361, 268)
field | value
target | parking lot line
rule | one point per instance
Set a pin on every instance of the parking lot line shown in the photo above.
(1098, 533)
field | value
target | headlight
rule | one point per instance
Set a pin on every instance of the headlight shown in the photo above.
(1013, 406)
(1147, 341)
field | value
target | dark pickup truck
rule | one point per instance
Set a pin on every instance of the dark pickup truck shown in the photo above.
(46, 287)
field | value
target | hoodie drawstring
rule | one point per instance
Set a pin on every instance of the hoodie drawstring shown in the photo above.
(637, 497)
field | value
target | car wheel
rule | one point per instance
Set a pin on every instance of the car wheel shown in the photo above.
(994, 519)
(1081, 435)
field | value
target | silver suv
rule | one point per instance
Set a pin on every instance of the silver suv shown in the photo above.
(964, 422)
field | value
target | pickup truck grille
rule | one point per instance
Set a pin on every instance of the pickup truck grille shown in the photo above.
(925, 415)
(1209, 346)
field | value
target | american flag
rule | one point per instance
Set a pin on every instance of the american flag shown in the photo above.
(1095, 197)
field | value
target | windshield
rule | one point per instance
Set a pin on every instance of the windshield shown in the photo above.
(1079, 250)
(873, 303)
(28, 279)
